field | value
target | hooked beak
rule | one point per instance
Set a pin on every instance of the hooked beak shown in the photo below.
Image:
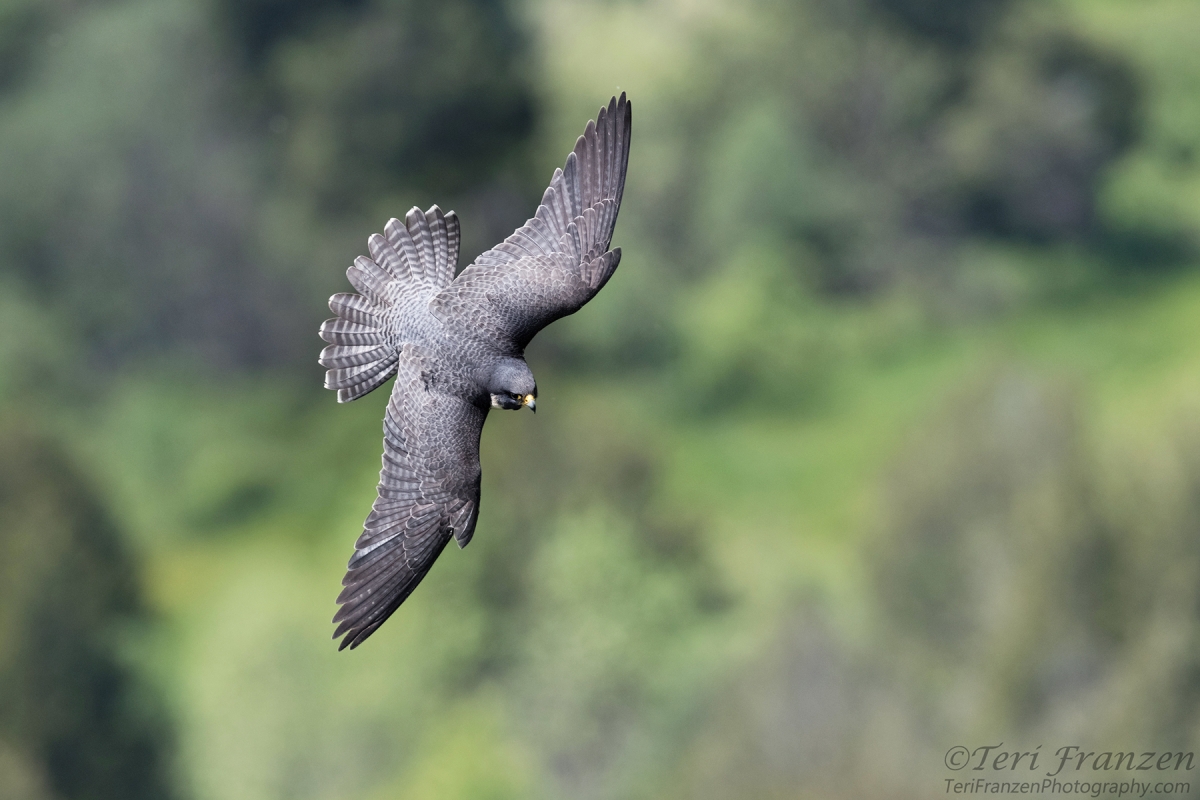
(531, 401)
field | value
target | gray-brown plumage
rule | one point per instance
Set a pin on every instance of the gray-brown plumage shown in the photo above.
(456, 346)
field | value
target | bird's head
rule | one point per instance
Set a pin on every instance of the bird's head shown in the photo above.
(512, 385)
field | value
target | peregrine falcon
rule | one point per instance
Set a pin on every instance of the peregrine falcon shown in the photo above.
(456, 346)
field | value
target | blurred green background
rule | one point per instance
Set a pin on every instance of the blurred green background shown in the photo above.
(884, 438)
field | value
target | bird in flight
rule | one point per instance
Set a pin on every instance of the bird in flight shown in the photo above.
(456, 346)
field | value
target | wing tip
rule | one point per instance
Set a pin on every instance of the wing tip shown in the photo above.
(349, 639)
(347, 631)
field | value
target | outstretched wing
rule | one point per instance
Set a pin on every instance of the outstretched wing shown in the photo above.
(428, 492)
(557, 261)
(409, 262)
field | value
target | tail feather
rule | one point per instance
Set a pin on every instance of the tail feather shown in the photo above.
(453, 238)
(369, 379)
(441, 251)
(418, 229)
(415, 257)
(370, 280)
(355, 308)
(386, 256)
(338, 356)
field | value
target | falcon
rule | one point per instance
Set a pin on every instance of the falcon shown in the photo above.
(456, 346)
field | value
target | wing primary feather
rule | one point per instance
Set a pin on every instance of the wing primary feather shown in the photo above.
(585, 149)
(555, 200)
(592, 135)
(571, 186)
(602, 155)
(366, 564)
(361, 636)
(610, 152)
(360, 603)
(582, 170)
(551, 211)
(386, 597)
(625, 129)
(375, 562)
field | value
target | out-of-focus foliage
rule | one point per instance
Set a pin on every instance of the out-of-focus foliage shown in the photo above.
(947, 23)
(1040, 580)
(778, 528)
(371, 100)
(179, 176)
(1027, 591)
(74, 723)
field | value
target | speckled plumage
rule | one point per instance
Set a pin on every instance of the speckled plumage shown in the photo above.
(452, 344)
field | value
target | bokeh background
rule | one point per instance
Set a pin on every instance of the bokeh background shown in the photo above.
(884, 438)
